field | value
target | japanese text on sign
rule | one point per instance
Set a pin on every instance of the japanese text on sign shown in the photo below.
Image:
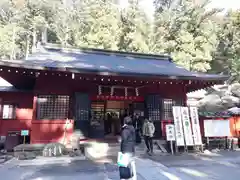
(178, 126)
(195, 126)
(187, 126)
(170, 132)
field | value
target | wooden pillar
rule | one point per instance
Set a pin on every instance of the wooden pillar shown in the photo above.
(185, 95)
(1, 112)
(34, 115)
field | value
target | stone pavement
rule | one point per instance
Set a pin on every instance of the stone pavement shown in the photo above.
(4, 158)
(208, 169)
(70, 169)
(217, 166)
(185, 167)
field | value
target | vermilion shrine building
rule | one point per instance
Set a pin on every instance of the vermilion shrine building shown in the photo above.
(56, 84)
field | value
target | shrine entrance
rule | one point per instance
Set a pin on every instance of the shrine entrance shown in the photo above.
(107, 116)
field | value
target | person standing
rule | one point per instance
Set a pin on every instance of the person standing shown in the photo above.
(148, 133)
(128, 144)
(137, 123)
(109, 123)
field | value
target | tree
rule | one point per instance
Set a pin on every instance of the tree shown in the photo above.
(96, 24)
(9, 31)
(227, 56)
(188, 33)
(21, 22)
(32, 19)
(61, 22)
(184, 29)
(135, 29)
(9, 35)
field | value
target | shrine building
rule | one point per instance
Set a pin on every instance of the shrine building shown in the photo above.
(57, 92)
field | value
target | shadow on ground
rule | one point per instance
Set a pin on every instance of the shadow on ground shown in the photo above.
(85, 169)
(202, 166)
(4, 158)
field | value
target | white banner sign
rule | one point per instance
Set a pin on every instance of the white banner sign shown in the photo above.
(187, 126)
(178, 126)
(170, 132)
(217, 128)
(195, 126)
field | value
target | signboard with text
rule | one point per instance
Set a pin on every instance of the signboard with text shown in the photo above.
(187, 126)
(178, 126)
(24, 132)
(170, 132)
(195, 126)
(217, 128)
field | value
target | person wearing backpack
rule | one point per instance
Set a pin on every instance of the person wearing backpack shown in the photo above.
(148, 132)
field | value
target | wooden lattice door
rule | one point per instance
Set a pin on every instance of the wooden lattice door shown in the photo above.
(153, 111)
(82, 115)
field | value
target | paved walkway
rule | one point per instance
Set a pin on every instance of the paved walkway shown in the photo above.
(215, 166)
(65, 168)
(185, 167)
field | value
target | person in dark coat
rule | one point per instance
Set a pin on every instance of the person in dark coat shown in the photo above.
(137, 123)
(128, 137)
(128, 141)
(109, 123)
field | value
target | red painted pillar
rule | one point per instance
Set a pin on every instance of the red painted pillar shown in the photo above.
(33, 116)
(1, 111)
(185, 95)
(34, 108)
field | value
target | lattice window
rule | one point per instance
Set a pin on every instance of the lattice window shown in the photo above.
(154, 107)
(167, 108)
(9, 111)
(52, 107)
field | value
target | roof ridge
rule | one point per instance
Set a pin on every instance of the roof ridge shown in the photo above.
(50, 46)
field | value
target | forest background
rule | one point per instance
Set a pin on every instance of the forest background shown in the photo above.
(198, 38)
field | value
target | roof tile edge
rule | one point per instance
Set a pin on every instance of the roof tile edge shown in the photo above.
(49, 46)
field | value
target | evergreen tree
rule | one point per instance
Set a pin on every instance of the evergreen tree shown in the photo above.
(20, 22)
(136, 31)
(96, 24)
(9, 30)
(188, 33)
(196, 38)
(227, 56)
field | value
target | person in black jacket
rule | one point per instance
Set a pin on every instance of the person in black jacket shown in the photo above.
(128, 140)
(137, 123)
(128, 137)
